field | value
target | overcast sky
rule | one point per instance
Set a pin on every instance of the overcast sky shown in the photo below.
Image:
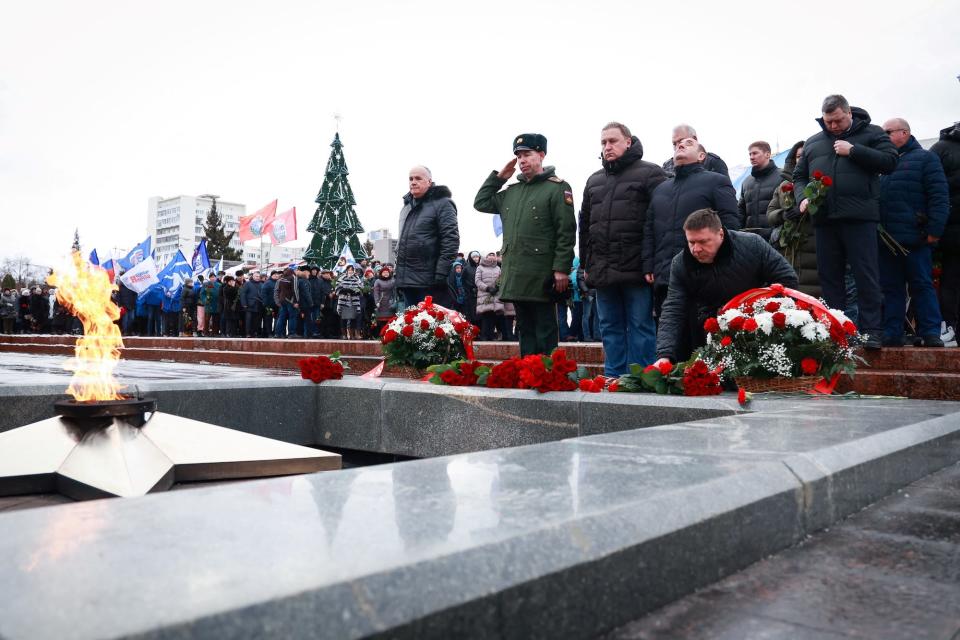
(104, 104)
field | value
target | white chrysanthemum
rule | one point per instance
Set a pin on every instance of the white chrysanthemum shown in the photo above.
(840, 316)
(725, 318)
(423, 316)
(815, 332)
(797, 318)
(764, 322)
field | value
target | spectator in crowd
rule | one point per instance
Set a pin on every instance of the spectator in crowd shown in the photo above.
(252, 305)
(270, 307)
(286, 297)
(348, 303)
(330, 321)
(757, 190)
(153, 307)
(171, 306)
(784, 206)
(188, 300)
(210, 299)
(470, 279)
(384, 297)
(947, 149)
(711, 161)
(367, 306)
(429, 238)
(8, 309)
(716, 265)
(914, 207)
(487, 281)
(305, 293)
(539, 233)
(576, 304)
(126, 298)
(231, 305)
(317, 292)
(853, 153)
(613, 216)
(589, 321)
(691, 189)
(23, 311)
(201, 310)
(457, 288)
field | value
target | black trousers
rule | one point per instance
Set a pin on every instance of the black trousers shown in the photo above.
(537, 327)
(950, 287)
(856, 244)
(254, 323)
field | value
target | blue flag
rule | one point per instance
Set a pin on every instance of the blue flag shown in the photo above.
(172, 276)
(200, 262)
(94, 259)
(136, 255)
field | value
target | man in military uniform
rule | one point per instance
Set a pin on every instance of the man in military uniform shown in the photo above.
(539, 231)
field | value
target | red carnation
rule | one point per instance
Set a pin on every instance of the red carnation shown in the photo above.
(389, 336)
(424, 324)
(787, 188)
(586, 385)
(649, 368)
(809, 366)
(711, 325)
(665, 367)
(750, 325)
(776, 288)
(408, 317)
(742, 397)
(407, 330)
(827, 181)
(439, 332)
(614, 386)
(779, 320)
(737, 323)
(725, 342)
(772, 306)
(449, 376)
(817, 174)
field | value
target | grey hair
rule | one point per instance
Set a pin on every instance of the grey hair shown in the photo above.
(834, 102)
(690, 131)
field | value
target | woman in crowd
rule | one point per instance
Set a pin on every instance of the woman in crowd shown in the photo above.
(231, 305)
(348, 302)
(384, 298)
(488, 295)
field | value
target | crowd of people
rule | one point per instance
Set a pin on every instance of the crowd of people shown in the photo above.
(858, 216)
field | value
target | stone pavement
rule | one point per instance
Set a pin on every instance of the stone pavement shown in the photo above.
(891, 572)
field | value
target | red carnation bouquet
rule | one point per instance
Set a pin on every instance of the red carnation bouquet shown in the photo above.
(320, 368)
(555, 372)
(462, 373)
(427, 334)
(691, 378)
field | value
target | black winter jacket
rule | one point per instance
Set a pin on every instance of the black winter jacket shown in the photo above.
(317, 291)
(693, 188)
(755, 196)
(612, 218)
(855, 194)
(914, 201)
(127, 297)
(250, 299)
(948, 149)
(188, 298)
(305, 292)
(744, 261)
(712, 162)
(429, 239)
(266, 293)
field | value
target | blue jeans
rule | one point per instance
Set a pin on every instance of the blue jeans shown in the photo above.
(286, 320)
(896, 273)
(626, 327)
(591, 324)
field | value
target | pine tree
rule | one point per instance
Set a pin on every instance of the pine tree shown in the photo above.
(335, 222)
(76, 240)
(218, 241)
(9, 282)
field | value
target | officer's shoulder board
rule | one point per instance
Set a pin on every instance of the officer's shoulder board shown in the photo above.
(555, 179)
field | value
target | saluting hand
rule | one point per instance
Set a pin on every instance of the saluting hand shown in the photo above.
(508, 170)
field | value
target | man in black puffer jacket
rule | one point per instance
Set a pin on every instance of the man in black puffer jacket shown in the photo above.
(757, 190)
(429, 240)
(948, 150)
(716, 265)
(612, 217)
(852, 153)
(693, 188)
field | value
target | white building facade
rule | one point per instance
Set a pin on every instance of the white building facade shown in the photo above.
(272, 254)
(177, 223)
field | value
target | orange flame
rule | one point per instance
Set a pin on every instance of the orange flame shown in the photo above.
(85, 290)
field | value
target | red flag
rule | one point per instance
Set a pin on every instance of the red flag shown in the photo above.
(255, 225)
(284, 227)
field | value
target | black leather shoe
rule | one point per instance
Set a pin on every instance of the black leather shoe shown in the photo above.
(872, 344)
(932, 341)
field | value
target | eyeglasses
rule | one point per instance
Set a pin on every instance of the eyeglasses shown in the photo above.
(889, 131)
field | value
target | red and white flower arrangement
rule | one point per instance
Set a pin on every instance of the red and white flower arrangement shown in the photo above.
(778, 332)
(427, 334)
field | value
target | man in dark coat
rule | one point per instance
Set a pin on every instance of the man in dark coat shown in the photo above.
(948, 150)
(914, 207)
(127, 298)
(270, 308)
(757, 190)
(429, 240)
(539, 233)
(612, 217)
(716, 265)
(306, 301)
(711, 161)
(692, 188)
(252, 305)
(852, 153)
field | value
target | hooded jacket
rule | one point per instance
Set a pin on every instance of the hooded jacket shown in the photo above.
(429, 238)
(755, 196)
(914, 200)
(8, 305)
(693, 188)
(948, 150)
(487, 274)
(855, 194)
(744, 261)
(612, 218)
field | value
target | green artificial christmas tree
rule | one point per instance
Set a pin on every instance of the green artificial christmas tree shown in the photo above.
(334, 223)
